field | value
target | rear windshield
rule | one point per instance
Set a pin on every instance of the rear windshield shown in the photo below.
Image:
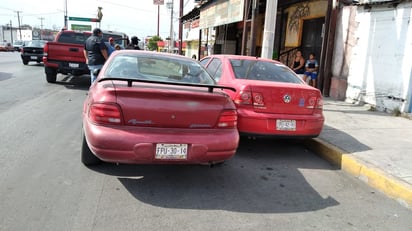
(263, 70)
(74, 38)
(36, 43)
(18, 43)
(157, 68)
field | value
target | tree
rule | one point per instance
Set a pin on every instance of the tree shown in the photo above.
(152, 45)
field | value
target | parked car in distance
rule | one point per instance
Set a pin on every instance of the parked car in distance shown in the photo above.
(271, 99)
(5, 46)
(157, 108)
(18, 44)
(32, 51)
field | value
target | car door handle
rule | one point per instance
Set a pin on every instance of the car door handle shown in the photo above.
(74, 49)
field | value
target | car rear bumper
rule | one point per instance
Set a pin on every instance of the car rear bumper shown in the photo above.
(32, 57)
(138, 145)
(63, 67)
(265, 124)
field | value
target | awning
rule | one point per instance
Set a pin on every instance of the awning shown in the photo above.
(192, 15)
(221, 13)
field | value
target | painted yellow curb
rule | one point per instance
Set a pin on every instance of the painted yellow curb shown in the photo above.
(376, 178)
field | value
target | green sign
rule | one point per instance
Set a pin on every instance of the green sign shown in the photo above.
(84, 19)
(81, 27)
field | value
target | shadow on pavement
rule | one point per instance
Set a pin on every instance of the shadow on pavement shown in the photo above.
(5, 75)
(74, 82)
(342, 140)
(357, 110)
(263, 177)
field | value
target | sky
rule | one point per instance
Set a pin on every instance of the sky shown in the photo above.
(135, 18)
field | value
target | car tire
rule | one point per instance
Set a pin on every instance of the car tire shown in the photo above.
(25, 62)
(88, 158)
(51, 75)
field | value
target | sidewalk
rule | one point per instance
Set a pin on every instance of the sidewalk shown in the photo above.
(374, 146)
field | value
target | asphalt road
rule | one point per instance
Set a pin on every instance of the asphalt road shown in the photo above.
(268, 185)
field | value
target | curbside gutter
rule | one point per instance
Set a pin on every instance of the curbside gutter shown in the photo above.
(391, 186)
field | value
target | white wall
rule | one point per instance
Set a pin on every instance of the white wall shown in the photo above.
(380, 70)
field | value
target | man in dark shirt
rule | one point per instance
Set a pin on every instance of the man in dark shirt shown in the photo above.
(95, 52)
(134, 45)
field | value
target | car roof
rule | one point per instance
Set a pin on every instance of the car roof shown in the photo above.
(245, 57)
(152, 53)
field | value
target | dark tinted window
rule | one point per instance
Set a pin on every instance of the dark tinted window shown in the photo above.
(74, 38)
(262, 70)
(19, 42)
(36, 43)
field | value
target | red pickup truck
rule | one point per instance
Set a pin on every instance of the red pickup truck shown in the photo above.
(65, 55)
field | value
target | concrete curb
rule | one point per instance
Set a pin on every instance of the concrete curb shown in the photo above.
(389, 185)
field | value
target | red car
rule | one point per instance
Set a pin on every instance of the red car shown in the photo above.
(270, 98)
(157, 108)
(4, 46)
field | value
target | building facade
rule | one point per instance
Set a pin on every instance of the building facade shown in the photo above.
(364, 48)
(373, 53)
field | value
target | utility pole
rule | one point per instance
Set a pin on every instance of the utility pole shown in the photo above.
(269, 29)
(41, 23)
(245, 23)
(180, 27)
(11, 32)
(158, 20)
(158, 3)
(252, 42)
(65, 15)
(41, 27)
(18, 18)
(170, 6)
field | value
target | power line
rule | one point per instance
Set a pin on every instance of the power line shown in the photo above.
(129, 7)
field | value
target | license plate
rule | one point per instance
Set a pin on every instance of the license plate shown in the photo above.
(171, 151)
(74, 65)
(286, 125)
(33, 57)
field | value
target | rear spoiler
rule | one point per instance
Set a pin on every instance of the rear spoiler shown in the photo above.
(130, 81)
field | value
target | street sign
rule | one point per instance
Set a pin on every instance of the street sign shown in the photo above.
(158, 2)
(81, 27)
(84, 19)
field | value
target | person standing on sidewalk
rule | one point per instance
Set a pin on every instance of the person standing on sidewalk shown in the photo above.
(95, 52)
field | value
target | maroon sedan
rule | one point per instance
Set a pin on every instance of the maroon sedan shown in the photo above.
(270, 98)
(157, 108)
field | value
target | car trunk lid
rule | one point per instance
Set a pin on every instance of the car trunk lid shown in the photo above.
(157, 105)
(283, 98)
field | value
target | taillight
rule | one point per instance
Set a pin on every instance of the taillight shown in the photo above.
(244, 97)
(258, 100)
(315, 103)
(227, 119)
(319, 104)
(101, 113)
(248, 98)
